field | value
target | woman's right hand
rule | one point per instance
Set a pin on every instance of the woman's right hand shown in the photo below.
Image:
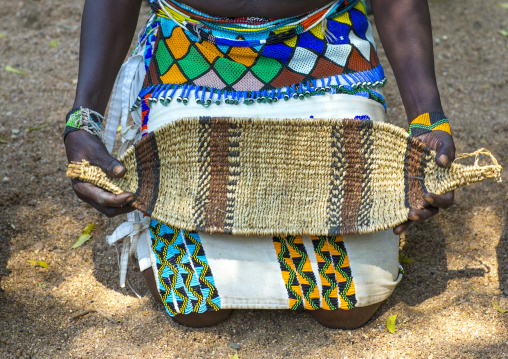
(79, 146)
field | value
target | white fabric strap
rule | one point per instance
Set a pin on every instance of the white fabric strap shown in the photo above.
(114, 112)
(133, 235)
(128, 234)
(127, 85)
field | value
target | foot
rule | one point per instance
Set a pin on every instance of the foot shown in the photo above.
(345, 319)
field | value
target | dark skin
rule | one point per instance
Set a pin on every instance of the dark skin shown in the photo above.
(405, 31)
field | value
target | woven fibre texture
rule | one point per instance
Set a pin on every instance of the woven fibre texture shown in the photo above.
(270, 177)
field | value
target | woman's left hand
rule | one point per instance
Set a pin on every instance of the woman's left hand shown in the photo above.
(443, 144)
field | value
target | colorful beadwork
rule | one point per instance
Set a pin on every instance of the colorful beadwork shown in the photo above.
(427, 122)
(186, 281)
(335, 273)
(303, 292)
(337, 287)
(330, 51)
(84, 119)
(278, 30)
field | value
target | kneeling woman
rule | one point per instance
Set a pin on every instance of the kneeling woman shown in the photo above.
(292, 59)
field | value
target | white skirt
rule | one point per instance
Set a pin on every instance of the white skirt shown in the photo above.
(198, 272)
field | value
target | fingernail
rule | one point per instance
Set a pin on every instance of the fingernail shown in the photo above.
(444, 160)
(131, 198)
(117, 170)
(414, 218)
(429, 199)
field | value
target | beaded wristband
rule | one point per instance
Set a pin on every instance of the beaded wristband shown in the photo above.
(84, 119)
(427, 122)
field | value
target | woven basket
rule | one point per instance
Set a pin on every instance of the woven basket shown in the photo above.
(270, 177)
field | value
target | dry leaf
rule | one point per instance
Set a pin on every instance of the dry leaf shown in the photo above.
(37, 128)
(390, 323)
(40, 263)
(496, 306)
(85, 236)
(89, 228)
(54, 43)
(235, 356)
(16, 71)
(81, 240)
(404, 259)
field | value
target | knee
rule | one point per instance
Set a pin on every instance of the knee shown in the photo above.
(152, 285)
(201, 320)
(345, 319)
(195, 320)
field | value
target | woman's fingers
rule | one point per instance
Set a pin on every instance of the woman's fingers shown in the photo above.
(443, 144)
(440, 201)
(416, 215)
(80, 145)
(108, 203)
(401, 227)
(109, 164)
(445, 151)
(103, 198)
(423, 214)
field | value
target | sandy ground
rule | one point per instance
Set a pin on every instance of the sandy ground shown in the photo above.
(444, 303)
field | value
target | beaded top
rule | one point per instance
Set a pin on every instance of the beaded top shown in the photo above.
(243, 60)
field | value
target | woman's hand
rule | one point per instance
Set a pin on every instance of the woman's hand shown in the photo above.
(80, 145)
(443, 144)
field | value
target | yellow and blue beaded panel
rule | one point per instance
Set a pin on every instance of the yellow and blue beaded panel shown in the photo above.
(186, 283)
(282, 273)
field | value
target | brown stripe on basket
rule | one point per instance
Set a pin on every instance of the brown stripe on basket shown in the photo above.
(148, 165)
(219, 171)
(414, 167)
(354, 175)
(203, 186)
(337, 173)
(367, 148)
(234, 134)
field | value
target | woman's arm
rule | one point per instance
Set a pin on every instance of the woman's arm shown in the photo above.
(107, 29)
(405, 31)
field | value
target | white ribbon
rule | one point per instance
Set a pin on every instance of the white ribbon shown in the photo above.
(128, 234)
(128, 83)
(121, 101)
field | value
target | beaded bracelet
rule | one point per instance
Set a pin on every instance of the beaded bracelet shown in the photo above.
(84, 119)
(427, 122)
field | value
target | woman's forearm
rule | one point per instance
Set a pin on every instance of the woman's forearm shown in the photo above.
(405, 31)
(107, 29)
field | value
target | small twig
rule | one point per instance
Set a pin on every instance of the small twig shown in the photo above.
(82, 314)
(88, 311)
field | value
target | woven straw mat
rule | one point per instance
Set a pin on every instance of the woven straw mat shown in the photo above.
(281, 177)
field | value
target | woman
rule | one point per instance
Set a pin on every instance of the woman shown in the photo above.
(259, 52)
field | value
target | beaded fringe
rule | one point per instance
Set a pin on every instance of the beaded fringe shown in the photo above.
(359, 84)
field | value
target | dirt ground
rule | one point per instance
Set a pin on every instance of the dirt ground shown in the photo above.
(444, 302)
